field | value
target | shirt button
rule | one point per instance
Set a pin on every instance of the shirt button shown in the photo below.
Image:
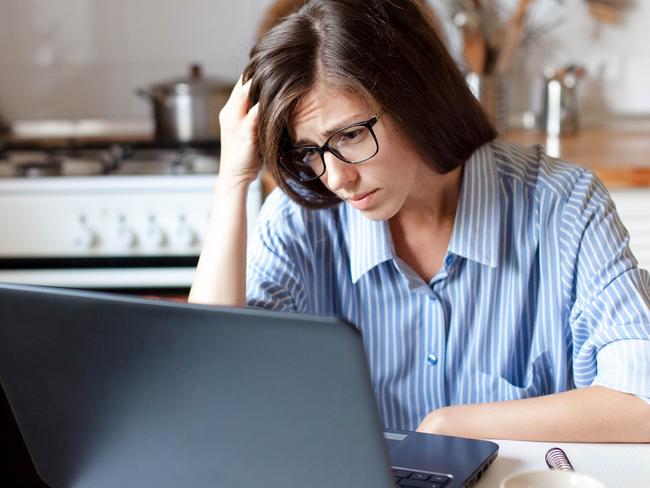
(432, 359)
(449, 260)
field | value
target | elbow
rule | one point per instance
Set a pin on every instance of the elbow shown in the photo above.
(645, 420)
(628, 414)
(638, 411)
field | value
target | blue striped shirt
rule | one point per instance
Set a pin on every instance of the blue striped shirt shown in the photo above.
(539, 292)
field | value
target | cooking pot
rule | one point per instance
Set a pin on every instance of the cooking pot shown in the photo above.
(187, 109)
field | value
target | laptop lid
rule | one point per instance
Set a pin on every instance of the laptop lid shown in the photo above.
(117, 391)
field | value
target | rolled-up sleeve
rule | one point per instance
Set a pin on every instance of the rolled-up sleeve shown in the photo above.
(624, 365)
(610, 318)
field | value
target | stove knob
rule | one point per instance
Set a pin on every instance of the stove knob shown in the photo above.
(85, 238)
(155, 236)
(185, 236)
(126, 237)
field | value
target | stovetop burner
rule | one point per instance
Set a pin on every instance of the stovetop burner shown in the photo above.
(33, 169)
(34, 161)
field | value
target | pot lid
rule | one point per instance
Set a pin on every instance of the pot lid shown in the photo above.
(195, 83)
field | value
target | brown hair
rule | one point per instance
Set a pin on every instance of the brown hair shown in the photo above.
(276, 13)
(386, 51)
(280, 9)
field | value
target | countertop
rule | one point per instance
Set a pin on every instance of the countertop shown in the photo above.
(621, 158)
(618, 154)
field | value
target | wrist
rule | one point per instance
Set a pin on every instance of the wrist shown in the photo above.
(228, 181)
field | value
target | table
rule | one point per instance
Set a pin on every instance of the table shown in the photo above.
(620, 158)
(617, 465)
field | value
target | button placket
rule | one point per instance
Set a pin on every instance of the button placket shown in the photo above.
(433, 357)
(433, 353)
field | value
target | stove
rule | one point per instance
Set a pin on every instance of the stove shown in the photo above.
(118, 216)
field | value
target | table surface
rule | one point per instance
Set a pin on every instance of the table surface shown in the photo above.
(624, 465)
(620, 158)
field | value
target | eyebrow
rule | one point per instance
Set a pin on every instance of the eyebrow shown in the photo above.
(329, 132)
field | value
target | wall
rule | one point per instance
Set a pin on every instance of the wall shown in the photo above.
(617, 58)
(85, 58)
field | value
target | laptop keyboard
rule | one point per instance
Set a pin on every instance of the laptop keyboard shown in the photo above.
(414, 479)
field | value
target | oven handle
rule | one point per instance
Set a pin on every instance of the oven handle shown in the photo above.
(97, 262)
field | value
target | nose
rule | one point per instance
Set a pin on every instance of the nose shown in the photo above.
(339, 174)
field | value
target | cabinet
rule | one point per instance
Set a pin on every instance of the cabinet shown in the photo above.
(633, 206)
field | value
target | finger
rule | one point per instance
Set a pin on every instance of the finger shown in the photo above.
(246, 88)
(251, 118)
(235, 89)
(244, 103)
(239, 81)
(253, 113)
(235, 94)
(238, 86)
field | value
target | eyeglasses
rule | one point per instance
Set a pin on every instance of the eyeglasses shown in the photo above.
(352, 144)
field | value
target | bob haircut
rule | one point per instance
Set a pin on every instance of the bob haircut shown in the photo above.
(385, 51)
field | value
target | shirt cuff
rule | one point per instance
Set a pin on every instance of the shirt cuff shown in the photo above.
(624, 365)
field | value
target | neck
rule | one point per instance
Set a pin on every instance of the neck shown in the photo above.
(433, 202)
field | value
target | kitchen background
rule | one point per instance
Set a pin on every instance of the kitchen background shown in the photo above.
(85, 58)
(138, 228)
(131, 213)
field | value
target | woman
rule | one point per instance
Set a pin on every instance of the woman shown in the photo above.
(493, 285)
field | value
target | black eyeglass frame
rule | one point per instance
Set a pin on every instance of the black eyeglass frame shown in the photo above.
(368, 124)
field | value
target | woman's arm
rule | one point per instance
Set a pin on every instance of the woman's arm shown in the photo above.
(590, 414)
(609, 326)
(220, 277)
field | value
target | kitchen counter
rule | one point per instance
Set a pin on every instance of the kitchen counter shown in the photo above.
(619, 155)
(620, 158)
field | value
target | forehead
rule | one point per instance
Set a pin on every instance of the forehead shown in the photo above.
(326, 107)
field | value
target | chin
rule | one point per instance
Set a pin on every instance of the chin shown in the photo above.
(379, 213)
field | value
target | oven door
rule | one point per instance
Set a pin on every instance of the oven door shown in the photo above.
(129, 234)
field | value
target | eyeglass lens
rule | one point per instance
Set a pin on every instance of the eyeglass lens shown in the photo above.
(353, 145)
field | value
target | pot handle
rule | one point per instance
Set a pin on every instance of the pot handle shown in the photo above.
(151, 94)
(143, 92)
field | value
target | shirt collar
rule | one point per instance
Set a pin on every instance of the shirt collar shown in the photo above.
(370, 243)
(478, 217)
(476, 227)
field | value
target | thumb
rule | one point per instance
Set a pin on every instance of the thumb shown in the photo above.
(253, 112)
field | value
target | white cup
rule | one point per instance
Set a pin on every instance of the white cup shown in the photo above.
(550, 479)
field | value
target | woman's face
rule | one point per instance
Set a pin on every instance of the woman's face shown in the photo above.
(377, 187)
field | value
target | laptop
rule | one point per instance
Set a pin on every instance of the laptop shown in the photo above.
(109, 390)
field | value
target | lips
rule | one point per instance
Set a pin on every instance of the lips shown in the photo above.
(362, 201)
(361, 197)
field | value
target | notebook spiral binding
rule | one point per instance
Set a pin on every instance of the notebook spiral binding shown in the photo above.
(557, 459)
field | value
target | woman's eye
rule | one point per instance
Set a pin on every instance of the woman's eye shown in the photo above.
(308, 155)
(351, 134)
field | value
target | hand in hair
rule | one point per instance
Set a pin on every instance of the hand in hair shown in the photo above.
(220, 276)
(239, 158)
